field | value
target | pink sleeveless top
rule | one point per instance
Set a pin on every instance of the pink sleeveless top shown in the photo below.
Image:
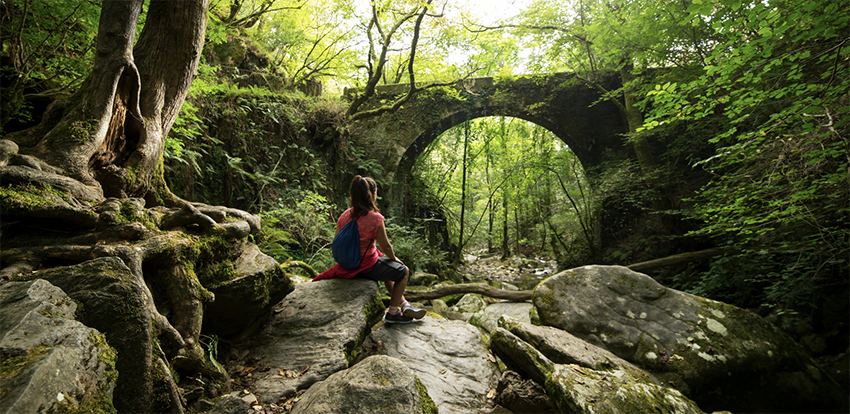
(368, 226)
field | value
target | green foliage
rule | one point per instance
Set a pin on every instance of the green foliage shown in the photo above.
(300, 227)
(49, 46)
(210, 342)
(216, 33)
(244, 146)
(364, 163)
(521, 181)
(413, 249)
(444, 94)
(780, 186)
(595, 36)
(314, 41)
(186, 128)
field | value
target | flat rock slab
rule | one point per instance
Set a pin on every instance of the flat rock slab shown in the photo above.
(721, 356)
(449, 357)
(377, 385)
(488, 318)
(313, 336)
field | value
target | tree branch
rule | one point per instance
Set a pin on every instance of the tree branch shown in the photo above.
(376, 72)
(582, 39)
(682, 258)
(479, 288)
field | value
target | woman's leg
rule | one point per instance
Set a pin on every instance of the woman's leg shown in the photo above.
(389, 284)
(395, 276)
(396, 289)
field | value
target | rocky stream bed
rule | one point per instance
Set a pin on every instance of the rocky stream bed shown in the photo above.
(595, 339)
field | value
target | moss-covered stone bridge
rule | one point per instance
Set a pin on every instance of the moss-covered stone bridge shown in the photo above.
(593, 128)
(559, 102)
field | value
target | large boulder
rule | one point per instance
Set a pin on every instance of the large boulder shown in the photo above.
(577, 389)
(245, 301)
(450, 357)
(378, 384)
(114, 303)
(469, 304)
(50, 361)
(722, 357)
(316, 333)
(422, 279)
(466, 307)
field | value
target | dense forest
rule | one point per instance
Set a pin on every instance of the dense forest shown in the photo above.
(737, 140)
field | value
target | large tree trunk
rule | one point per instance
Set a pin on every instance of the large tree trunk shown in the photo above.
(108, 141)
(111, 135)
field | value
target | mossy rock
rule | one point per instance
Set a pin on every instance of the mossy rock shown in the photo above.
(244, 296)
(379, 384)
(579, 389)
(40, 202)
(114, 304)
(320, 325)
(722, 357)
(422, 279)
(49, 361)
(450, 357)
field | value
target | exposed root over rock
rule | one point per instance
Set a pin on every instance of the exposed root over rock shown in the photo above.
(136, 271)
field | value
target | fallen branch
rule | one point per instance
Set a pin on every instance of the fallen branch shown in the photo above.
(682, 258)
(479, 288)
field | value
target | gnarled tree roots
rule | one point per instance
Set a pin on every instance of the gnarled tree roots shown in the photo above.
(50, 221)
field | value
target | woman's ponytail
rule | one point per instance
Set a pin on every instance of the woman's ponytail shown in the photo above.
(360, 196)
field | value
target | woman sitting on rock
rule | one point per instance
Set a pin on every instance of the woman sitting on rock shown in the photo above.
(374, 264)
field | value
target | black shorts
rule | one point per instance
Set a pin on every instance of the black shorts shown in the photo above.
(384, 270)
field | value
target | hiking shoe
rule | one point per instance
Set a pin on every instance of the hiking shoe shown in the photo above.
(397, 318)
(412, 312)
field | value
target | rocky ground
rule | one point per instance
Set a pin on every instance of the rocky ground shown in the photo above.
(465, 352)
(590, 339)
(447, 354)
(522, 272)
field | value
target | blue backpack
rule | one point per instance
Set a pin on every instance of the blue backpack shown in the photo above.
(346, 246)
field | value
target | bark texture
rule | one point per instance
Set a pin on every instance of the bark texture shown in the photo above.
(110, 135)
(85, 204)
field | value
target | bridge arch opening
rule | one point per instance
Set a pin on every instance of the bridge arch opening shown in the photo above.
(591, 126)
(497, 184)
(437, 129)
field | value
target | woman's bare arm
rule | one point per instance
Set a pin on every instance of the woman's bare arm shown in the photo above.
(384, 243)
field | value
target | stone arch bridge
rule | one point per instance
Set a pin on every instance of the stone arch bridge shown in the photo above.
(560, 102)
